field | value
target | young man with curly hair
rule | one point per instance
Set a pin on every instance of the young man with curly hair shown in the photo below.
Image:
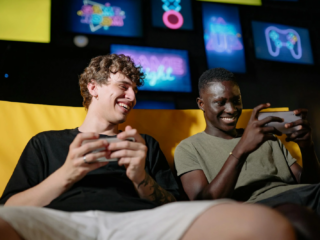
(86, 199)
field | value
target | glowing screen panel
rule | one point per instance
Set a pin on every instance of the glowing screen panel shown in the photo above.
(284, 0)
(172, 14)
(144, 104)
(223, 37)
(165, 69)
(105, 17)
(27, 21)
(282, 43)
(246, 2)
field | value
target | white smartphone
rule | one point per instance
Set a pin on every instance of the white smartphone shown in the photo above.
(287, 117)
(110, 140)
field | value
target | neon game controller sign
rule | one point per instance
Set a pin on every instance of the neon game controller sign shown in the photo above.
(222, 37)
(277, 39)
(172, 17)
(98, 15)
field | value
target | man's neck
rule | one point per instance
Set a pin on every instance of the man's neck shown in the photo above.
(219, 133)
(95, 123)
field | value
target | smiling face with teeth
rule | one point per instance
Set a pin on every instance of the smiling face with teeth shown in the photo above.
(115, 98)
(222, 106)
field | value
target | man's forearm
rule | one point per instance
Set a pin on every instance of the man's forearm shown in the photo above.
(41, 194)
(222, 186)
(311, 166)
(149, 189)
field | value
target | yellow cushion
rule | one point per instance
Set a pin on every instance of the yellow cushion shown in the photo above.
(21, 121)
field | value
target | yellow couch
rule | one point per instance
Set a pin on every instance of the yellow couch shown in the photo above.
(21, 121)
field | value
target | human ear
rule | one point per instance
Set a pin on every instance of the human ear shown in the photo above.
(92, 88)
(200, 103)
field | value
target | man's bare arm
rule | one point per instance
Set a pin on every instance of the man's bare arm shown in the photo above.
(303, 137)
(41, 194)
(61, 180)
(149, 189)
(132, 155)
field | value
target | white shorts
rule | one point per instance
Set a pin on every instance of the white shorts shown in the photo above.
(169, 221)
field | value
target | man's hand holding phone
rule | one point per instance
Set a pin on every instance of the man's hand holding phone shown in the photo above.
(302, 134)
(256, 132)
(132, 155)
(294, 124)
(82, 158)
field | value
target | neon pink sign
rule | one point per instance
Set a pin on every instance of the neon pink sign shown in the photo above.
(99, 16)
(152, 62)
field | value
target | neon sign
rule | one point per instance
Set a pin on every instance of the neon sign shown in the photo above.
(165, 69)
(282, 43)
(158, 68)
(172, 17)
(222, 37)
(98, 15)
(288, 38)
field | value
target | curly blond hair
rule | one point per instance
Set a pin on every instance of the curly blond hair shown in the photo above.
(100, 68)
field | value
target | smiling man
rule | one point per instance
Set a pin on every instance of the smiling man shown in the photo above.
(86, 199)
(249, 165)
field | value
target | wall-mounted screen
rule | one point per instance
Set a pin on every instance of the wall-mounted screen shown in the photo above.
(282, 43)
(27, 21)
(246, 2)
(282, 0)
(172, 14)
(223, 37)
(146, 104)
(165, 69)
(105, 17)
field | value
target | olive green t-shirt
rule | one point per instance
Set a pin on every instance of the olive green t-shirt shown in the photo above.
(264, 174)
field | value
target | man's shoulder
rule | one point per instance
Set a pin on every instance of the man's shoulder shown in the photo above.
(190, 142)
(148, 138)
(56, 134)
(192, 139)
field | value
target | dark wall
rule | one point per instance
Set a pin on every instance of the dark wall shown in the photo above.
(48, 73)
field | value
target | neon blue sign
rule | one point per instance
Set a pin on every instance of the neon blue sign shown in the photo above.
(223, 37)
(282, 43)
(104, 17)
(165, 69)
(98, 15)
(283, 38)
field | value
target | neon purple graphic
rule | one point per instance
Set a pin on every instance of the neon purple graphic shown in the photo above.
(158, 68)
(222, 37)
(172, 17)
(283, 38)
(97, 15)
(164, 69)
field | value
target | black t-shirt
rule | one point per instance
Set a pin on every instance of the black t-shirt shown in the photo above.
(107, 188)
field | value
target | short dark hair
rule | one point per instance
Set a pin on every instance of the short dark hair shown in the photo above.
(215, 75)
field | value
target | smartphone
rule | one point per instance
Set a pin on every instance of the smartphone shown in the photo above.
(110, 140)
(287, 117)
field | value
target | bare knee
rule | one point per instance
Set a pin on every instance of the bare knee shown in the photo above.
(305, 221)
(239, 221)
(8, 232)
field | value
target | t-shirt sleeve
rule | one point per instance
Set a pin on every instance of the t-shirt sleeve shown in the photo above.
(290, 160)
(185, 159)
(26, 173)
(158, 168)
